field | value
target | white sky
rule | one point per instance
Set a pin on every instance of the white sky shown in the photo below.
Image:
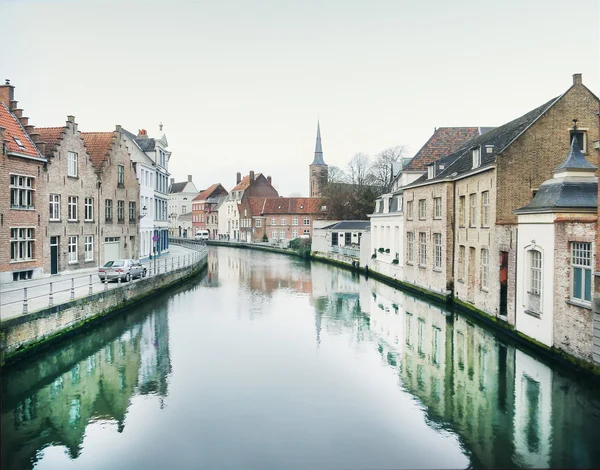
(239, 84)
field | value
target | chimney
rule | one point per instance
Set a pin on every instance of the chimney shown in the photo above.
(172, 181)
(270, 180)
(190, 178)
(24, 121)
(577, 79)
(7, 94)
(251, 178)
(238, 178)
(29, 128)
(18, 112)
(118, 128)
(71, 123)
(70, 118)
(142, 134)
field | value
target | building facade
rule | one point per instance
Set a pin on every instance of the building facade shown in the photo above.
(180, 202)
(203, 209)
(318, 169)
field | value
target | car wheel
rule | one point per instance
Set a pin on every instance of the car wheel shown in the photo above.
(143, 273)
(128, 277)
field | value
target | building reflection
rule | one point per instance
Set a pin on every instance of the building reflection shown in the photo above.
(506, 407)
(51, 401)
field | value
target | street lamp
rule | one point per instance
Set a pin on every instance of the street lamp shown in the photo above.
(143, 213)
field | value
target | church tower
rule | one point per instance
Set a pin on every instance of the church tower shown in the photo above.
(318, 169)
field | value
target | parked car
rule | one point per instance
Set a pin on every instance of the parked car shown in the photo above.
(126, 269)
(201, 235)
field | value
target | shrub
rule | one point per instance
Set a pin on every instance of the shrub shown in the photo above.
(395, 261)
(387, 250)
(373, 256)
(381, 250)
(265, 238)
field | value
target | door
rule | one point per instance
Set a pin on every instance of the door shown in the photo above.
(54, 255)
(112, 248)
(503, 283)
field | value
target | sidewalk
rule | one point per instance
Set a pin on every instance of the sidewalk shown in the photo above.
(38, 290)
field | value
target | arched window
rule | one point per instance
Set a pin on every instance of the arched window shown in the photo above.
(534, 280)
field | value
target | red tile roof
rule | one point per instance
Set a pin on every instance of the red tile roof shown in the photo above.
(204, 195)
(50, 135)
(242, 185)
(98, 145)
(14, 130)
(444, 141)
(285, 205)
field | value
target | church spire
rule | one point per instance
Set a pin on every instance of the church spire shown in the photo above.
(318, 160)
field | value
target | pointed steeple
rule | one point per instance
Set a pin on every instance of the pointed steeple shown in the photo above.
(575, 161)
(318, 160)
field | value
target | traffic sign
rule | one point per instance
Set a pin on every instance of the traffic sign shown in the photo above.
(154, 238)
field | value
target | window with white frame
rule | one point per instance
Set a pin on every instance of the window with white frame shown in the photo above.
(120, 175)
(534, 291)
(430, 171)
(437, 205)
(437, 244)
(485, 268)
(54, 206)
(131, 211)
(461, 262)
(409, 209)
(257, 223)
(89, 248)
(89, 208)
(273, 221)
(72, 208)
(485, 208)
(72, 164)
(422, 209)
(294, 234)
(21, 244)
(274, 234)
(581, 272)
(283, 221)
(476, 158)
(306, 220)
(282, 234)
(21, 192)
(473, 209)
(72, 249)
(410, 247)
(108, 209)
(294, 220)
(120, 211)
(581, 137)
(422, 249)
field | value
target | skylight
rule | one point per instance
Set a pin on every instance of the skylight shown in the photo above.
(19, 143)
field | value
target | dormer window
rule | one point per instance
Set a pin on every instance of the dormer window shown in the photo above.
(476, 158)
(489, 149)
(430, 171)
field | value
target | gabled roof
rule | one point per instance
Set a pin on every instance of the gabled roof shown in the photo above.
(15, 134)
(242, 185)
(177, 187)
(285, 205)
(51, 136)
(146, 144)
(206, 194)
(444, 141)
(98, 145)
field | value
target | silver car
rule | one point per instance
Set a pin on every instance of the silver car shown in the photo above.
(125, 269)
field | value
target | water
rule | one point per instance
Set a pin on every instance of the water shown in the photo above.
(273, 363)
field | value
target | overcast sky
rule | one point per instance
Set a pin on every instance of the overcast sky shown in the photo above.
(239, 85)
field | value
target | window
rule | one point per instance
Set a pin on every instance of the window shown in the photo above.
(581, 272)
(294, 234)
(476, 158)
(21, 244)
(274, 234)
(485, 268)
(422, 209)
(120, 175)
(257, 223)
(108, 211)
(282, 234)
(21, 192)
(461, 262)
(89, 208)
(131, 211)
(422, 248)
(430, 171)
(437, 205)
(72, 208)
(306, 231)
(485, 208)
(473, 209)
(409, 209)
(184, 209)
(120, 210)
(410, 247)
(461, 211)
(54, 206)
(89, 248)
(294, 220)
(72, 164)
(306, 220)
(283, 221)
(72, 249)
(273, 221)
(535, 282)
(437, 243)
(581, 139)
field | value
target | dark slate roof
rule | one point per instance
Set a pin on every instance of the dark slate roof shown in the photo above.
(575, 159)
(499, 138)
(146, 144)
(177, 187)
(568, 193)
(350, 225)
(318, 160)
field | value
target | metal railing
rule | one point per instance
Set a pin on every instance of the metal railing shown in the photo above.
(57, 291)
(353, 251)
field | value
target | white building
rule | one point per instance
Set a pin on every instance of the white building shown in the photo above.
(180, 202)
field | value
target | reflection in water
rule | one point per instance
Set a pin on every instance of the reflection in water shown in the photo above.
(482, 396)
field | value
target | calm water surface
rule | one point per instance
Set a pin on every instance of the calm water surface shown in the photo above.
(273, 363)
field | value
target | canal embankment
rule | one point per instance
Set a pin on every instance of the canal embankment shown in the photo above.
(27, 333)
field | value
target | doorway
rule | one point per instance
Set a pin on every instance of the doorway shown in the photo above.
(503, 283)
(54, 242)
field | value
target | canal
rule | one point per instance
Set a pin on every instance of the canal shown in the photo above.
(271, 362)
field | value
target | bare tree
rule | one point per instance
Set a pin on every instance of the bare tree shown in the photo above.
(359, 170)
(336, 175)
(381, 169)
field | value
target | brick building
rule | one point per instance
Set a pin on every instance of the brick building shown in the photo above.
(117, 195)
(204, 217)
(23, 214)
(281, 218)
(72, 240)
(318, 169)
